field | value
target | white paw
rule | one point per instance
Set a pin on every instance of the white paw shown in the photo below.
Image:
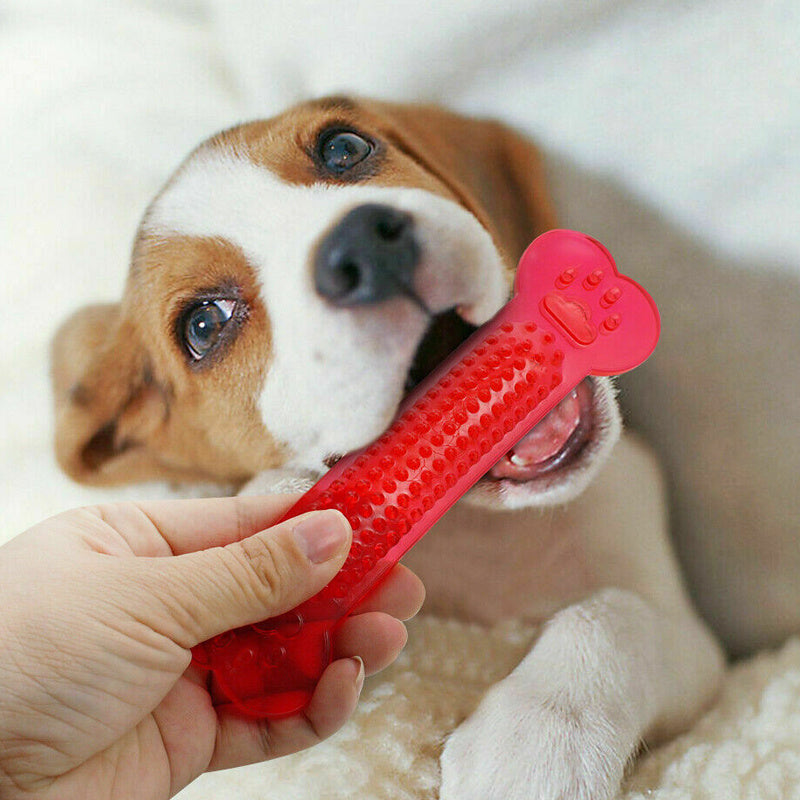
(518, 747)
(279, 481)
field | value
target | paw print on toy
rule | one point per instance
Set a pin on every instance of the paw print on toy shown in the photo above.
(583, 296)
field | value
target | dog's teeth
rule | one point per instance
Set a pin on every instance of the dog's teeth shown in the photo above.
(518, 461)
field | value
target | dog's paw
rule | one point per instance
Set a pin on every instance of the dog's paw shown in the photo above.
(517, 747)
(279, 481)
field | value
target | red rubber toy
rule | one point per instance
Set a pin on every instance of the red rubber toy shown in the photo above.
(572, 315)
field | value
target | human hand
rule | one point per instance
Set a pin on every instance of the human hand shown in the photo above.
(99, 608)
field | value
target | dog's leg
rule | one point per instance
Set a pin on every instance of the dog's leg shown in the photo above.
(623, 665)
(279, 481)
(605, 674)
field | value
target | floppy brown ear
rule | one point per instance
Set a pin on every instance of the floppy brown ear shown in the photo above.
(107, 405)
(494, 171)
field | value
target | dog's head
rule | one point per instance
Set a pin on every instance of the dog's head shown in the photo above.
(292, 281)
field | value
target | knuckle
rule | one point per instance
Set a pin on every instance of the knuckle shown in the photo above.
(264, 568)
(264, 737)
(244, 518)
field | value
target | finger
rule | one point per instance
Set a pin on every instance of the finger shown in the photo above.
(186, 723)
(196, 596)
(400, 594)
(376, 638)
(243, 741)
(198, 524)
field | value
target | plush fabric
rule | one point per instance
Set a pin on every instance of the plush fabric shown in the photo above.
(671, 134)
(747, 747)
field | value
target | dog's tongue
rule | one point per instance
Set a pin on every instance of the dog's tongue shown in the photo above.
(538, 450)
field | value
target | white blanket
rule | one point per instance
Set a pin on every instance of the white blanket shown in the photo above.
(682, 116)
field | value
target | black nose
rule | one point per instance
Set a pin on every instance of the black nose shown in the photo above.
(369, 256)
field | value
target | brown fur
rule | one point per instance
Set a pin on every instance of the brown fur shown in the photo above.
(129, 407)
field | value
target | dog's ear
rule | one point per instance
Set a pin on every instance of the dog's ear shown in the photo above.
(107, 405)
(494, 171)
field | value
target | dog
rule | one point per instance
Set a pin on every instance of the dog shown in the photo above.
(289, 285)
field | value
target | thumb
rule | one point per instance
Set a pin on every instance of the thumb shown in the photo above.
(199, 595)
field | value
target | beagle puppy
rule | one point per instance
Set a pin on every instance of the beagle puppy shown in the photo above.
(288, 286)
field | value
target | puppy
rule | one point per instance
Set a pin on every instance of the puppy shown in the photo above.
(289, 285)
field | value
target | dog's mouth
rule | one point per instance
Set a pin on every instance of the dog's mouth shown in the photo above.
(554, 444)
(446, 331)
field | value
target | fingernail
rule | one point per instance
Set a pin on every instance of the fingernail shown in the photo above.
(322, 534)
(360, 676)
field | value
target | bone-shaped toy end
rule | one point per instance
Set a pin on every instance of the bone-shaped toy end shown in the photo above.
(269, 669)
(570, 281)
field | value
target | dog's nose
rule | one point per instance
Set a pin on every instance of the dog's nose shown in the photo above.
(370, 255)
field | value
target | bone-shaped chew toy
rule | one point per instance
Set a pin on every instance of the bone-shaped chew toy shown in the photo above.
(572, 315)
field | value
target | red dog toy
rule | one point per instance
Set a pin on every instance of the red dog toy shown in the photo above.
(572, 315)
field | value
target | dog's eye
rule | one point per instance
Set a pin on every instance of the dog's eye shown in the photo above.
(342, 150)
(202, 325)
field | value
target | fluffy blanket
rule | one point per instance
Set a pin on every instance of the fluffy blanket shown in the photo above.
(746, 748)
(672, 131)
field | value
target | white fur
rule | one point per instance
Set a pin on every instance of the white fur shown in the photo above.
(605, 673)
(279, 481)
(336, 375)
